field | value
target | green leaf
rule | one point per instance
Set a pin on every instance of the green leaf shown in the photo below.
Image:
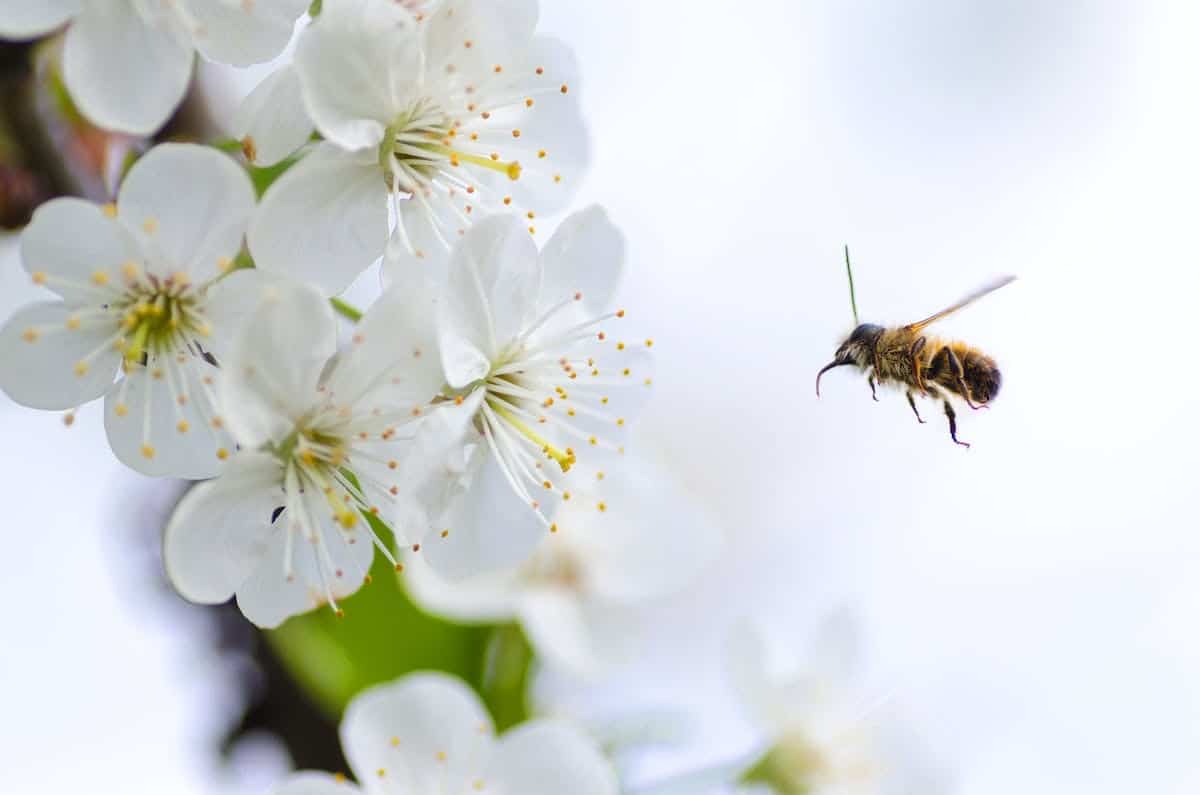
(264, 177)
(383, 635)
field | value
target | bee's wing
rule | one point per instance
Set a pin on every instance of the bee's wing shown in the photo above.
(970, 299)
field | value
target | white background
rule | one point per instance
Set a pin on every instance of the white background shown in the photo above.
(1030, 603)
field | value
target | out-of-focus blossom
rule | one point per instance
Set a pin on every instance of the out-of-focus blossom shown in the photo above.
(578, 595)
(453, 112)
(320, 438)
(127, 63)
(543, 393)
(146, 290)
(429, 733)
(819, 735)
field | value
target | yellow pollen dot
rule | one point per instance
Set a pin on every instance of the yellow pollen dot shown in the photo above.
(100, 278)
(441, 756)
(604, 401)
(620, 421)
(540, 71)
(563, 89)
(498, 69)
(147, 451)
(547, 484)
(647, 382)
(340, 613)
(130, 270)
(222, 453)
(508, 199)
(348, 519)
(477, 784)
(249, 148)
(541, 154)
(516, 133)
(625, 371)
(601, 507)
(182, 426)
(557, 178)
(533, 230)
(381, 772)
(593, 441)
(30, 335)
(474, 136)
(121, 410)
(445, 533)
(620, 346)
(339, 778)
(218, 423)
(39, 277)
(395, 742)
(81, 369)
(548, 402)
(468, 44)
(109, 210)
(599, 476)
(486, 115)
(514, 171)
(554, 528)
(529, 103)
(150, 225)
(393, 464)
(566, 495)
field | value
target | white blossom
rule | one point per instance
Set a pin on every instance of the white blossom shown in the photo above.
(127, 63)
(321, 437)
(146, 292)
(819, 734)
(453, 111)
(543, 391)
(428, 733)
(578, 596)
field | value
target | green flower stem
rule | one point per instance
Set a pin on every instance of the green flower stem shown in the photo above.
(508, 662)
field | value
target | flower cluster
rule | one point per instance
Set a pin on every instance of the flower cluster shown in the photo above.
(470, 427)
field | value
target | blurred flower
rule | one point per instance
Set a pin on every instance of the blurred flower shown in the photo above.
(819, 739)
(319, 438)
(577, 596)
(146, 289)
(127, 63)
(531, 374)
(452, 112)
(429, 733)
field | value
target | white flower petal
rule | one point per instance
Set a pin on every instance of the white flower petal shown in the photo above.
(151, 431)
(324, 221)
(44, 364)
(271, 376)
(489, 598)
(190, 205)
(313, 783)
(218, 532)
(393, 362)
(74, 240)
(426, 732)
(557, 625)
(497, 31)
(359, 63)
(653, 539)
(25, 19)
(490, 527)
(268, 598)
(272, 121)
(230, 302)
(123, 73)
(587, 254)
(425, 235)
(244, 33)
(546, 757)
(491, 295)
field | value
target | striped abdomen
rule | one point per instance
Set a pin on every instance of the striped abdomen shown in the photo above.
(979, 372)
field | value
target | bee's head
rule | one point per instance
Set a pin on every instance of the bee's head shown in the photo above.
(858, 349)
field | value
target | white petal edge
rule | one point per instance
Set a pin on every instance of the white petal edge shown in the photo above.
(324, 221)
(123, 74)
(241, 34)
(272, 122)
(586, 254)
(73, 239)
(218, 531)
(310, 782)
(190, 204)
(42, 373)
(27, 19)
(545, 757)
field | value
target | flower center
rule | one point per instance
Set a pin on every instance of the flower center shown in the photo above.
(158, 316)
(316, 460)
(424, 144)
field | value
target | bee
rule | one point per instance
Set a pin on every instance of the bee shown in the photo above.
(921, 363)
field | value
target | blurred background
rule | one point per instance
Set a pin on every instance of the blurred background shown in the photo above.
(1029, 604)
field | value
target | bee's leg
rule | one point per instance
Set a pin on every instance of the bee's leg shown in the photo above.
(908, 394)
(914, 354)
(953, 425)
(956, 369)
(871, 383)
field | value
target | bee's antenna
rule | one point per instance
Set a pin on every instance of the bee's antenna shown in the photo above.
(850, 276)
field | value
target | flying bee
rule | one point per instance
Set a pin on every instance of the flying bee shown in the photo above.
(920, 363)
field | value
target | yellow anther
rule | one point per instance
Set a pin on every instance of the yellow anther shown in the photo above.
(565, 460)
(150, 225)
(249, 149)
(599, 476)
(593, 441)
(563, 89)
(541, 154)
(147, 451)
(39, 277)
(554, 528)
(130, 270)
(566, 495)
(109, 210)
(529, 102)
(395, 742)
(348, 519)
(620, 421)
(516, 133)
(445, 533)
(30, 335)
(121, 410)
(222, 453)
(224, 264)
(100, 278)
(441, 756)
(81, 369)
(601, 507)
(182, 426)
(649, 343)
